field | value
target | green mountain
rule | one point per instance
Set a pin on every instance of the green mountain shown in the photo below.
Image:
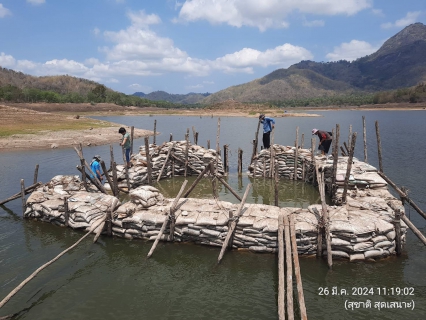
(399, 63)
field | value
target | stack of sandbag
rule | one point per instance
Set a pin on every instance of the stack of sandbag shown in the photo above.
(285, 157)
(47, 203)
(198, 158)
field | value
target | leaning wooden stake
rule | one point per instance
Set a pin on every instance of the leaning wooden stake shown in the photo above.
(302, 306)
(255, 142)
(288, 250)
(227, 186)
(324, 213)
(233, 224)
(349, 168)
(165, 162)
(167, 219)
(379, 147)
(414, 229)
(200, 176)
(110, 182)
(32, 276)
(148, 160)
(281, 285)
(95, 180)
(19, 194)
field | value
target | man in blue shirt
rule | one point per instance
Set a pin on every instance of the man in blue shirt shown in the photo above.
(96, 167)
(268, 125)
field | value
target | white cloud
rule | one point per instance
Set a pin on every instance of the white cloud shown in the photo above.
(266, 13)
(351, 51)
(4, 11)
(36, 2)
(246, 59)
(7, 61)
(313, 23)
(410, 17)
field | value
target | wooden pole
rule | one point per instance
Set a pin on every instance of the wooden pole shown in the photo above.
(186, 153)
(225, 157)
(272, 155)
(379, 147)
(350, 136)
(218, 135)
(313, 158)
(114, 177)
(403, 195)
(228, 187)
(111, 151)
(148, 161)
(36, 173)
(296, 153)
(132, 133)
(32, 276)
(213, 177)
(326, 220)
(24, 203)
(302, 306)
(83, 174)
(19, 194)
(193, 133)
(276, 184)
(349, 167)
(233, 223)
(171, 137)
(196, 138)
(240, 161)
(414, 229)
(281, 285)
(302, 143)
(397, 224)
(364, 131)
(335, 154)
(110, 182)
(344, 154)
(290, 309)
(255, 142)
(165, 162)
(66, 211)
(208, 144)
(95, 180)
(155, 132)
(200, 176)
(167, 219)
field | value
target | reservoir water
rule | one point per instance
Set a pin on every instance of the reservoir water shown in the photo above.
(113, 279)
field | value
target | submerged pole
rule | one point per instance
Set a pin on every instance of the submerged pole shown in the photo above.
(379, 147)
(36, 173)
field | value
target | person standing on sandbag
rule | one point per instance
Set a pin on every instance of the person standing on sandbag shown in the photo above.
(325, 140)
(96, 167)
(126, 144)
(268, 126)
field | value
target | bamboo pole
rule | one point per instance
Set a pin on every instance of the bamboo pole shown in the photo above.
(19, 194)
(296, 153)
(24, 203)
(148, 161)
(403, 195)
(379, 147)
(349, 167)
(36, 173)
(200, 176)
(167, 219)
(281, 285)
(288, 249)
(233, 223)
(302, 306)
(364, 131)
(32, 276)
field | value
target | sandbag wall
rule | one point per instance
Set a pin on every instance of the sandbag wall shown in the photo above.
(285, 157)
(198, 158)
(360, 230)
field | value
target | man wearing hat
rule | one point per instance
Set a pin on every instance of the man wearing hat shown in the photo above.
(96, 167)
(325, 140)
(268, 125)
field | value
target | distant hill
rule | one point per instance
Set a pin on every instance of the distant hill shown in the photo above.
(62, 84)
(190, 98)
(400, 62)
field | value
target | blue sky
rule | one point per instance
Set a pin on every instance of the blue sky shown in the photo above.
(191, 46)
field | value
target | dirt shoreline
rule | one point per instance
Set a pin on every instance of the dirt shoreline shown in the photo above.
(93, 136)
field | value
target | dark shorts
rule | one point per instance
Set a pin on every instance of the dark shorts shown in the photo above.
(325, 146)
(267, 139)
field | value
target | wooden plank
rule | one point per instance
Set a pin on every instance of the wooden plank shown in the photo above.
(281, 284)
(288, 250)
